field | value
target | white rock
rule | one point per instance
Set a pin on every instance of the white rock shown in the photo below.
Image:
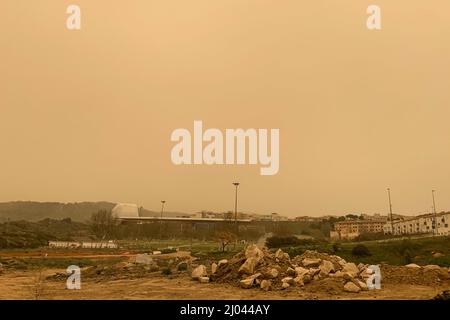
(431, 267)
(203, 279)
(337, 274)
(299, 281)
(413, 265)
(272, 273)
(249, 266)
(281, 255)
(247, 283)
(308, 263)
(291, 272)
(198, 272)
(299, 271)
(222, 263)
(313, 271)
(285, 285)
(213, 268)
(351, 268)
(347, 276)
(362, 285)
(253, 251)
(265, 285)
(351, 287)
(289, 280)
(326, 267)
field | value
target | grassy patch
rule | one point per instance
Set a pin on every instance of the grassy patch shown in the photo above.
(395, 252)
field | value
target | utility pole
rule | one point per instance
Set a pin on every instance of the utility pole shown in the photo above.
(236, 184)
(160, 222)
(390, 210)
(434, 213)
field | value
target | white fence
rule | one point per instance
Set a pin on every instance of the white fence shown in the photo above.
(87, 245)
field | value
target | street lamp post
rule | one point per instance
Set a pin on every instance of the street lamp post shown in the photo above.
(160, 222)
(236, 184)
(162, 207)
(390, 210)
(434, 213)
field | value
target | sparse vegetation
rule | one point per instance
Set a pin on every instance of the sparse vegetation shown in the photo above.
(360, 250)
(166, 271)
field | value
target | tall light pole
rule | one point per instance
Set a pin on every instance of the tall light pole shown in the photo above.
(160, 222)
(390, 210)
(236, 184)
(434, 213)
(162, 207)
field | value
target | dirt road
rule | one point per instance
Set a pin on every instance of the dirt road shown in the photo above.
(32, 285)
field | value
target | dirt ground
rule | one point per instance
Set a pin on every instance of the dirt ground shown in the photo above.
(34, 285)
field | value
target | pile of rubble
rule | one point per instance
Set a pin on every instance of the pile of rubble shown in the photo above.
(277, 271)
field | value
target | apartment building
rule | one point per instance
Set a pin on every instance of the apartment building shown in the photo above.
(350, 229)
(423, 224)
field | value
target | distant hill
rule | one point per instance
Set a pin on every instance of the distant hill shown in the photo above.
(35, 211)
(25, 234)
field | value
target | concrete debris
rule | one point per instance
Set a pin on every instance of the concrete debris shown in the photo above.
(249, 265)
(265, 285)
(431, 267)
(351, 287)
(250, 281)
(253, 251)
(280, 255)
(199, 272)
(285, 285)
(213, 268)
(291, 272)
(271, 273)
(259, 267)
(326, 267)
(289, 280)
(308, 263)
(413, 265)
(203, 279)
(222, 263)
(144, 259)
(362, 285)
(351, 269)
(300, 271)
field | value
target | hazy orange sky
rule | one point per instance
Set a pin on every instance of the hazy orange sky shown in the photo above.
(87, 115)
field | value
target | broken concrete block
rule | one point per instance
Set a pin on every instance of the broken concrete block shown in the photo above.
(198, 272)
(249, 266)
(326, 267)
(351, 268)
(308, 263)
(351, 287)
(265, 285)
(222, 263)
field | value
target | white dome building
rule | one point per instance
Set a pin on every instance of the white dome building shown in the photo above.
(125, 210)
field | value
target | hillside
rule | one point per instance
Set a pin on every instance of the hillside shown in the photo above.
(35, 211)
(25, 234)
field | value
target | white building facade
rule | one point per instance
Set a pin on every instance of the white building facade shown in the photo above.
(421, 225)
